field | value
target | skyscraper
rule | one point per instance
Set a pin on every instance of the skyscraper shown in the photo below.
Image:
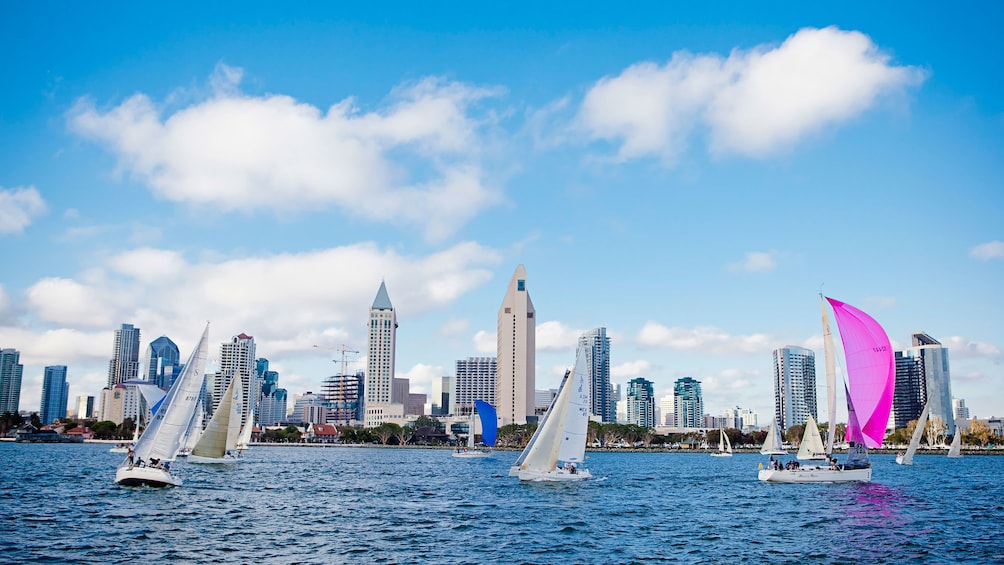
(688, 409)
(85, 407)
(343, 395)
(475, 379)
(922, 376)
(641, 403)
(382, 345)
(794, 385)
(55, 394)
(10, 380)
(163, 362)
(597, 346)
(124, 365)
(237, 360)
(442, 395)
(516, 353)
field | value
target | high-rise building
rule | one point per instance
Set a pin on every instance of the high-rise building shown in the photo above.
(923, 377)
(163, 362)
(960, 409)
(416, 404)
(641, 403)
(271, 404)
(475, 379)
(55, 394)
(794, 386)
(667, 406)
(688, 409)
(124, 365)
(740, 419)
(401, 389)
(237, 360)
(10, 380)
(597, 346)
(343, 395)
(85, 407)
(516, 353)
(380, 351)
(442, 396)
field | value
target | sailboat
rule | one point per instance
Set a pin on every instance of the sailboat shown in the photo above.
(955, 450)
(918, 432)
(871, 374)
(772, 443)
(811, 448)
(724, 445)
(244, 440)
(194, 431)
(149, 463)
(489, 429)
(153, 395)
(561, 437)
(219, 439)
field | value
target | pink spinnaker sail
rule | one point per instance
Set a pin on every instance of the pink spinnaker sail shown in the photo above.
(871, 372)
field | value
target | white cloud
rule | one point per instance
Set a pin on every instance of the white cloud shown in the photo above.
(755, 102)
(755, 262)
(703, 340)
(962, 348)
(420, 378)
(556, 336)
(455, 327)
(236, 152)
(18, 207)
(631, 369)
(486, 342)
(987, 251)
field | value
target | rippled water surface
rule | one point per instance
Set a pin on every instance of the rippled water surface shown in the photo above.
(386, 505)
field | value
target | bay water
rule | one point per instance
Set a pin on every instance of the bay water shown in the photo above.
(59, 504)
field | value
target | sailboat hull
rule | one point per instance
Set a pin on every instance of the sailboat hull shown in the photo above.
(558, 475)
(815, 475)
(472, 454)
(723, 454)
(145, 476)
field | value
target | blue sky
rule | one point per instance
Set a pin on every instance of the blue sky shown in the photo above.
(686, 177)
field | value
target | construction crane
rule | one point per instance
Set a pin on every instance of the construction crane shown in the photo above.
(343, 349)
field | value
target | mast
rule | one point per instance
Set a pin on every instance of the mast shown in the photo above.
(831, 376)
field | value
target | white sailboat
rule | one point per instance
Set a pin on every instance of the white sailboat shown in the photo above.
(724, 445)
(244, 440)
(194, 431)
(152, 394)
(811, 448)
(149, 463)
(561, 436)
(918, 433)
(219, 439)
(871, 375)
(489, 428)
(955, 450)
(772, 443)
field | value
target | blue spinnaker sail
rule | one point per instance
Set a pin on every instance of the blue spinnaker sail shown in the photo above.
(489, 422)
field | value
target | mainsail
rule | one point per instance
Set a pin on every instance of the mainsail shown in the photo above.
(871, 373)
(221, 433)
(831, 377)
(918, 433)
(772, 443)
(162, 438)
(811, 447)
(489, 422)
(956, 448)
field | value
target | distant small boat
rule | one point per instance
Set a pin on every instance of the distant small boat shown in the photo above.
(561, 437)
(244, 440)
(489, 429)
(955, 450)
(724, 445)
(918, 433)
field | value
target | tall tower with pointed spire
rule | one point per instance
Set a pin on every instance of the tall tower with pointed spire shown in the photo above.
(379, 383)
(515, 378)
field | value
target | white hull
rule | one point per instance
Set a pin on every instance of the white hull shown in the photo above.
(815, 474)
(555, 476)
(900, 458)
(476, 454)
(721, 455)
(145, 476)
(225, 460)
(119, 450)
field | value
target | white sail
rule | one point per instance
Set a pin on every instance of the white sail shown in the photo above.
(956, 448)
(162, 438)
(772, 443)
(918, 433)
(194, 428)
(831, 377)
(728, 443)
(245, 438)
(573, 434)
(220, 434)
(811, 448)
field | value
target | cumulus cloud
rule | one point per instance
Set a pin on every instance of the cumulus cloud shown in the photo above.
(241, 153)
(754, 103)
(703, 340)
(18, 207)
(486, 342)
(962, 348)
(556, 336)
(987, 251)
(420, 378)
(755, 262)
(631, 369)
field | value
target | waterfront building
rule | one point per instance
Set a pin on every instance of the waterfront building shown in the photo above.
(516, 354)
(474, 379)
(959, 409)
(442, 396)
(923, 377)
(667, 405)
(302, 404)
(124, 365)
(379, 384)
(120, 402)
(85, 407)
(400, 391)
(597, 347)
(542, 400)
(641, 403)
(163, 362)
(237, 360)
(740, 418)
(55, 394)
(416, 404)
(688, 403)
(343, 395)
(272, 408)
(11, 371)
(794, 386)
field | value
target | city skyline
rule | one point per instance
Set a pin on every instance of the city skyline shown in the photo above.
(687, 177)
